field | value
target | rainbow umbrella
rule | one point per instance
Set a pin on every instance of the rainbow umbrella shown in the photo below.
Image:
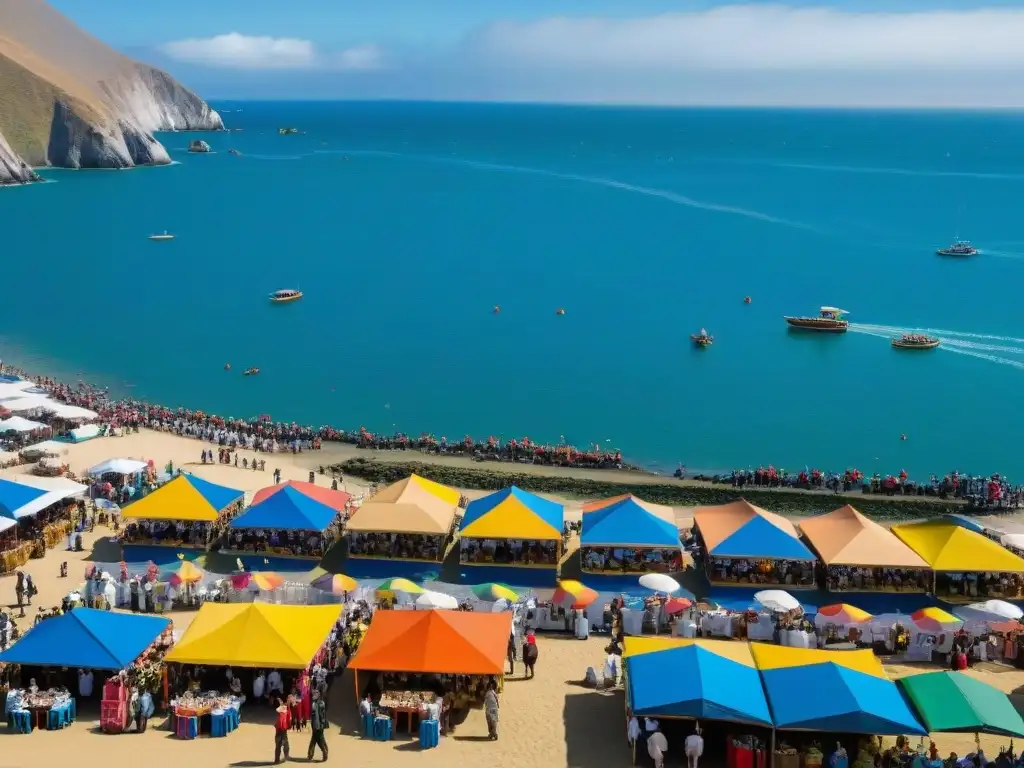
(495, 592)
(573, 594)
(335, 583)
(934, 619)
(186, 573)
(389, 587)
(263, 580)
(843, 613)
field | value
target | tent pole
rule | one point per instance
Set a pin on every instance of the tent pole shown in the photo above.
(356, 673)
(935, 584)
(771, 757)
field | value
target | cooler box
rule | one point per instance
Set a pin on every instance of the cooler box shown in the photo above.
(382, 729)
(430, 734)
(113, 715)
(186, 726)
(368, 726)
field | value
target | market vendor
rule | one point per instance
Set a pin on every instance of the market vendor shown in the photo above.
(859, 579)
(745, 570)
(398, 546)
(631, 560)
(312, 544)
(172, 533)
(510, 551)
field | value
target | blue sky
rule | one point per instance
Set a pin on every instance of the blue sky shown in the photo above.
(866, 53)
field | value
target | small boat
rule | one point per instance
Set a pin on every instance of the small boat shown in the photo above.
(916, 341)
(958, 248)
(234, 152)
(165, 236)
(829, 319)
(746, 299)
(702, 339)
(250, 371)
(559, 311)
(285, 295)
(497, 309)
(287, 131)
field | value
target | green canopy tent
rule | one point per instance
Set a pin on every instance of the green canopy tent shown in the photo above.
(955, 702)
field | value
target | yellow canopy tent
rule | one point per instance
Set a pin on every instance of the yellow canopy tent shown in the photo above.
(255, 635)
(950, 547)
(184, 498)
(412, 505)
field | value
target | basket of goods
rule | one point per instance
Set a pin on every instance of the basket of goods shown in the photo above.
(812, 756)
(786, 756)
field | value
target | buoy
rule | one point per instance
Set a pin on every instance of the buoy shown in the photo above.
(227, 366)
(746, 300)
(560, 311)
(497, 309)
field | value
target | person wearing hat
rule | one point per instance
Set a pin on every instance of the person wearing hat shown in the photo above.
(318, 721)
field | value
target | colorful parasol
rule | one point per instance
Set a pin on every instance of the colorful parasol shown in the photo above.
(677, 604)
(934, 619)
(335, 583)
(389, 587)
(186, 573)
(263, 580)
(495, 592)
(573, 594)
(843, 613)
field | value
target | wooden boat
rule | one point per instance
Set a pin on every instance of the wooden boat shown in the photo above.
(916, 341)
(165, 236)
(285, 295)
(829, 319)
(702, 339)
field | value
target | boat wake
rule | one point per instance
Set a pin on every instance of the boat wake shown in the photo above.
(664, 194)
(1001, 350)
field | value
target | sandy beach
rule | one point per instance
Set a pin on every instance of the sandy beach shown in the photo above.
(550, 720)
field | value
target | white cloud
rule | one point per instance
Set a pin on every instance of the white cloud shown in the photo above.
(239, 51)
(759, 38)
(361, 58)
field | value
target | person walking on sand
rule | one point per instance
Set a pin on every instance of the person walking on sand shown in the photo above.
(510, 653)
(530, 653)
(281, 726)
(318, 721)
(491, 710)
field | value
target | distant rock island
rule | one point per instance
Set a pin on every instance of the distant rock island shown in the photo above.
(68, 100)
(198, 146)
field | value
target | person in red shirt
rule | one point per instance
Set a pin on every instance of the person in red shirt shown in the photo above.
(281, 726)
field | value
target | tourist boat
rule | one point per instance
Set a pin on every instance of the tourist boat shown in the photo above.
(958, 248)
(285, 295)
(165, 236)
(916, 341)
(829, 319)
(250, 371)
(702, 339)
(287, 131)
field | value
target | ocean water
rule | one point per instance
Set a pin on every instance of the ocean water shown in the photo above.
(404, 224)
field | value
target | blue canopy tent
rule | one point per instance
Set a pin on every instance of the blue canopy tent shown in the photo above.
(217, 496)
(287, 510)
(759, 538)
(627, 524)
(700, 679)
(964, 522)
(86, 638)
(14, 496)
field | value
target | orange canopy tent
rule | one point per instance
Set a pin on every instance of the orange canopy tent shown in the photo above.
(450, 642)
(846, 537)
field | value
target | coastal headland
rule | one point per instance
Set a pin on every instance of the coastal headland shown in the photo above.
(387, 467)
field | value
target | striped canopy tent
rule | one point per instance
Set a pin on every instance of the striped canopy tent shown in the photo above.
(700, 679)
(741, 530)
(413, 505)
(513, 513)
(186, 497)
(856, 695)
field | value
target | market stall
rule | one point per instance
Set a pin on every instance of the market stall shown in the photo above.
(247, 638)
(965, 565)
(287, 525)
(339, 501)
(852, 692)
(448, 655)
(509, 533)
(742, 544)
(41, 507)
(861, 555)
(625, 534)
(957, 703)
(401, 530)
(180, 515)
(126, 646)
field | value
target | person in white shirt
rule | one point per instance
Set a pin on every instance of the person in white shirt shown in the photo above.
(85, 681)
(274, 683)
(366, 706)
(657, 746)
(611, 670)
(694, 747)
(650, 725)
(259, 685)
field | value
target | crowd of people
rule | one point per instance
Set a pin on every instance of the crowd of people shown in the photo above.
(841, 578)
(311, 544)
(509, 552)
(170, 533)
(631, 560)
(747, 571)
(402, 546)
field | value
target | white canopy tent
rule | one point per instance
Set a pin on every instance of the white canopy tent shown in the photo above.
(15, 388)
(117, 467)
(26, 403)
(19, 424)
(70, 412)
(45, 448)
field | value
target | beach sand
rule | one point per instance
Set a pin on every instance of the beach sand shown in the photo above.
(547, 721)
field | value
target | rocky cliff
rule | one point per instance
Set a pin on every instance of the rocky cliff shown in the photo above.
(69, 100)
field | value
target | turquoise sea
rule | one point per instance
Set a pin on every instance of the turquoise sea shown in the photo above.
(405, 223)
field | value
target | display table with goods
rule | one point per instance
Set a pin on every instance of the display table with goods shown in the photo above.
(420, 704)
(189, 713)
(52, 709)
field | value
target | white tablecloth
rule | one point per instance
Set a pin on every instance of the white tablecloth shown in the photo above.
(762, 629)
(719, 625)
(685, 629)
(795, 638)
(632, 621)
